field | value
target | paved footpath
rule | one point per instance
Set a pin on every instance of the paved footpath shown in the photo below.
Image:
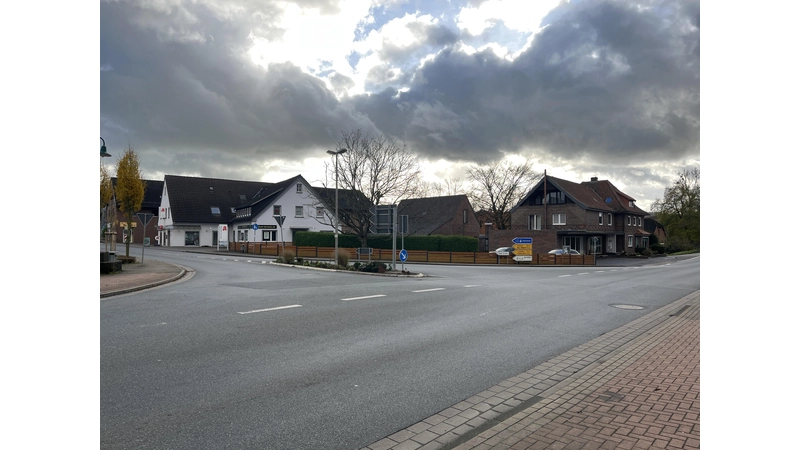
(637, 387)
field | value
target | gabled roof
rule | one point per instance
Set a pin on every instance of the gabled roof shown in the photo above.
(426, 215)
(651, 224)
(582, 195)
(619, 199)
(152, 192)
(598, 195)
(267, 195)
(191, 198)
(349, 200)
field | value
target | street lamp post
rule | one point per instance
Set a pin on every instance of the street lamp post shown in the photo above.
(336, 154)
(103, 152)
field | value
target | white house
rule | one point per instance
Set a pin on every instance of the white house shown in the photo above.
(192, 208)
(276, 212)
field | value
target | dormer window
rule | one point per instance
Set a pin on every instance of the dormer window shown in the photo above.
(215, 210)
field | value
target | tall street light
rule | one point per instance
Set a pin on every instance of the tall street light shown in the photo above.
(336, 154)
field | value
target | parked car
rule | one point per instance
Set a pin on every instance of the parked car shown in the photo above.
(503, 251)
(560, 251)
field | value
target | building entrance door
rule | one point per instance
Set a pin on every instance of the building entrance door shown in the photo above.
(192, 238)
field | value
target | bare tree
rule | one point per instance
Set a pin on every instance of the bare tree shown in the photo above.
(498, 187)
(448, 186)
(374, 170)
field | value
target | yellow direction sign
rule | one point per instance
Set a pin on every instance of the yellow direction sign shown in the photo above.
(523, 251)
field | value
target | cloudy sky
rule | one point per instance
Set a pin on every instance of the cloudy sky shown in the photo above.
(259, 90)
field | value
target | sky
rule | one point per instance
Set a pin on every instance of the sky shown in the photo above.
(259, 90)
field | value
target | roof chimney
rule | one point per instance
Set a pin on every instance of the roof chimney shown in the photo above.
(594, 180)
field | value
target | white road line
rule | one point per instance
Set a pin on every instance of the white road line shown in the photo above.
(584, 273)
(562, 276)
(269, 309)
(471, 285)
(362, 298)
(430, 290)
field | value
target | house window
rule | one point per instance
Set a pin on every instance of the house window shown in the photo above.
(600, 218)
(629, 219)
(465, 216)
(215, 210)
(630, 241)
(298, 211)
(534, 222)
(559, 219)
(299, 188)
(639, 221)
(268, 236)
(609, 219)
(320, 212)
(276, 210)
(554, 197)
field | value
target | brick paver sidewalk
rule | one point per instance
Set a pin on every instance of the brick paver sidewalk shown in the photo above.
(636, 387)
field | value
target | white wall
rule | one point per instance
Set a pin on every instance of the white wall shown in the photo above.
(288, 201)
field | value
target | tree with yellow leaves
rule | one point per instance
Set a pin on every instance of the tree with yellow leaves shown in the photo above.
(129, 191)
(106, 192)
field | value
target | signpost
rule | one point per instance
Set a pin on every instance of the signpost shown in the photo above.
(403, 258)
(523, 249)
(145, 219)
(222, 236)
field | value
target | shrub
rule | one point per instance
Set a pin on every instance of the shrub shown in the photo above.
(288, 257)
(356, 265)
(342, 259)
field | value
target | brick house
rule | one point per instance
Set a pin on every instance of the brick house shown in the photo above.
(592, 217)
(446, 215)
(150, 204)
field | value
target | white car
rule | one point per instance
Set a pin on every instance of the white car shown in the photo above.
(560, 251)
(503, 251)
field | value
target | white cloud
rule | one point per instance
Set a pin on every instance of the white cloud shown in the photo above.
(519, 15)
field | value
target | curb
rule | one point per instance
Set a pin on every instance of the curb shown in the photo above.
(453, 427)
(183, 272)
(354, 272)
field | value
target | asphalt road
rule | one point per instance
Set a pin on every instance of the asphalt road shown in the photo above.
(251, 355)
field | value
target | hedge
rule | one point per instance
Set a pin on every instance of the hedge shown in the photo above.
(435, 243)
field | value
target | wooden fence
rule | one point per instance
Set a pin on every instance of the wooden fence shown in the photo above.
(414, 256)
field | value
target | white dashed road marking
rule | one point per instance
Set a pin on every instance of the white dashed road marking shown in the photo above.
(270, 309)
(362, 298)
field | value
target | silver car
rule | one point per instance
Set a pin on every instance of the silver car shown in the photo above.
(560, 251)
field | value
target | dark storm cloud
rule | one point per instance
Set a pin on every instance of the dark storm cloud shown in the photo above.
(606, 80)
(186, 85)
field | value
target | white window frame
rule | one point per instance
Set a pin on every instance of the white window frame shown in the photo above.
(610, 219)
(299, 188)
(629, 220)
(639, 221)
(630, 241)
(298, 211)
(600, 217)
(320, 212)
(560, 216)
(535, 222)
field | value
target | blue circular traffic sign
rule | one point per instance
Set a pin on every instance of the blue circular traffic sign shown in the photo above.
(403, 255)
